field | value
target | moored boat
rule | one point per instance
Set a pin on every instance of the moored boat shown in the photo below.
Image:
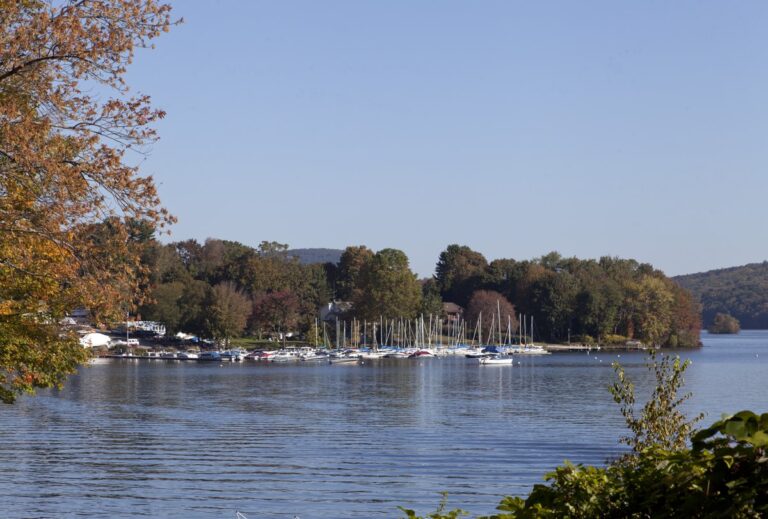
(496, 360)
(210, 356)
(532, 350)
(396, 355)
(284, 356)
(372, 355)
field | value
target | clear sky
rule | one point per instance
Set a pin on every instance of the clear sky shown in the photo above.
(636, 129)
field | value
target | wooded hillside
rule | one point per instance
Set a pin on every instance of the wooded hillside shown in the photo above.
(739, 291)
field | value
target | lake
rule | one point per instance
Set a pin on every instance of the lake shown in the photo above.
(197, 440)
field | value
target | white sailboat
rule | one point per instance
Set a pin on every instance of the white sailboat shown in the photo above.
(532, 348)
(497, 360)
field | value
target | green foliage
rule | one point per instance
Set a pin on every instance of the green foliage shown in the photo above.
(568, 297)
(614, 339)
(724, 474)
(554, 299)
(255, 273)
(459, 272)
(353, 262)
(724, 324)
(431, 302)
(165, 307)
(388, 288)
(439, 513)
(228, 311)
(660, 423)
(742, 427)
(652, 305)
(43, 356)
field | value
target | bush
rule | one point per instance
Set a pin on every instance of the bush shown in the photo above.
(585, 339)
(724, 474)
(724, 324)
(614, 339)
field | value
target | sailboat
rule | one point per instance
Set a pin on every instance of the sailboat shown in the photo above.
(532, 349)
(496, 360)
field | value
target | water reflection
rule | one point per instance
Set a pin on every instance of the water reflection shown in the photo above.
(131, 439)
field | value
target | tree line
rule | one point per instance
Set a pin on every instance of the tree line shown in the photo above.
(221, 289)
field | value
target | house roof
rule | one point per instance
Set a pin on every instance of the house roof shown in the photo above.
(452, 308)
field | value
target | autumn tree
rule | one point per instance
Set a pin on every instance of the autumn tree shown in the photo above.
(275, 312)
(490, 304)
(66, 164)
(686, 318)
(653, 300)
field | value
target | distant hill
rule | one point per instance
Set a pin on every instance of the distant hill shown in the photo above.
(309, 256)
(739, 291)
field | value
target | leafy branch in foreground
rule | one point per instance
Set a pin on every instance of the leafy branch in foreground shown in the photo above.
(724, 474)
(660, 423)
(439, 513)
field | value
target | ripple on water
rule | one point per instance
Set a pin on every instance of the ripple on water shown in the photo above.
(129, 439)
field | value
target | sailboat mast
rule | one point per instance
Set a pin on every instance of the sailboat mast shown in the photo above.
(498, 309)
(480, 328)
(525, 329)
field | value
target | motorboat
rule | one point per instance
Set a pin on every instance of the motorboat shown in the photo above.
(314, 357)
(235, 355)
(284, 356)
(372, 355)
(261, 356)
(347, 357)
(396, 355)
(210, 356)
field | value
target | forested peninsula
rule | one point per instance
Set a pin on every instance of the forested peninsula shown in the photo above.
(741, 292)
(224, 288)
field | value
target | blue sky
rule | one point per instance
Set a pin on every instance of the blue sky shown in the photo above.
(591, 128)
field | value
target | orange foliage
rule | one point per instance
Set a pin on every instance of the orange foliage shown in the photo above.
(68, 192)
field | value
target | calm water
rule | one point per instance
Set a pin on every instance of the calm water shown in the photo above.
(162, 439)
